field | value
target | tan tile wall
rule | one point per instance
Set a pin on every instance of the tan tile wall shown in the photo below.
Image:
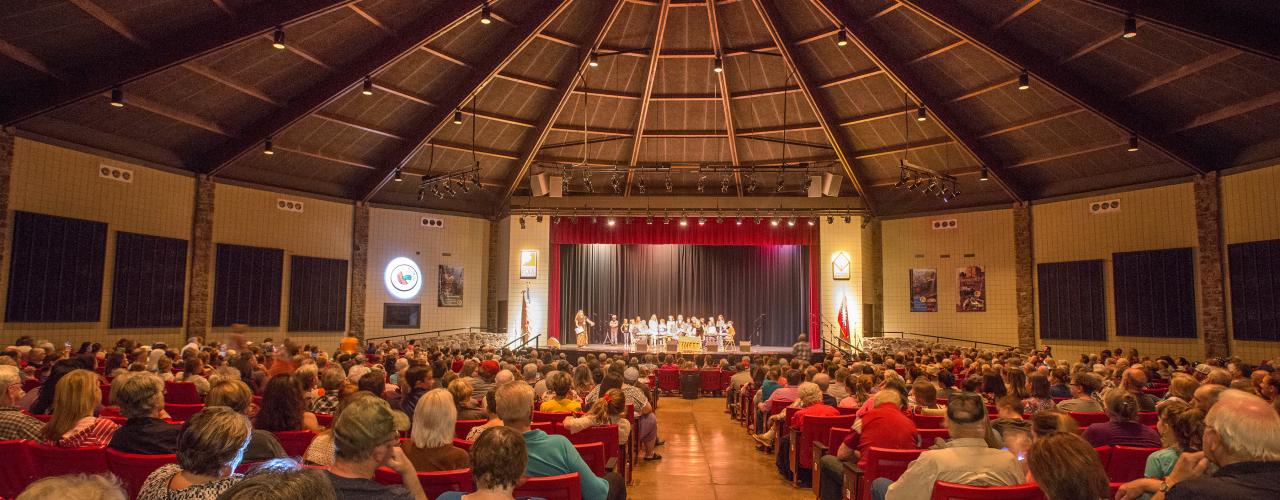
(535, 236)
(464, 241)
(913, 243)
(1250, 212)
(832, 240)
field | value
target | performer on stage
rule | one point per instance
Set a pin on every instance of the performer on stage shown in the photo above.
(580, 324)
(613, 330)
(729, 332)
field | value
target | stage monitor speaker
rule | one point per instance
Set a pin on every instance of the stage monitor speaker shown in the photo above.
(673, 346)
(555, 186)
(744, 346)
(538, 184)
(831, 184)
(712, 348)
(642, 346)
(816, 183)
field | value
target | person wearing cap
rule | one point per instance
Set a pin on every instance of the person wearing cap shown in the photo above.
(365, 437)
(483, 382)
(966, 460)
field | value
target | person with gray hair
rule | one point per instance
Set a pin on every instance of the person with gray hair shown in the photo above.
(1242, 439)
(13, 423)
(140, 396)
(531, 373)
(331, 380)
(75, 487)
(281, 480)
(824, 383)
(210, 447)
(811, 405)
(552, 454)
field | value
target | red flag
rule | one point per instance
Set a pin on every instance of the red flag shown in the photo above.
(524, 313)
(843, 318)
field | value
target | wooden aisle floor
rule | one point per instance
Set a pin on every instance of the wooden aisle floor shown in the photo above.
(707, 456)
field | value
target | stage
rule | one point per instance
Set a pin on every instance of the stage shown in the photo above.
(573, 352)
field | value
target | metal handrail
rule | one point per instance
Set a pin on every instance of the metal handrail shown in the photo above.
(523, 342)
(441, 332)
(939, 337)
(828, 333)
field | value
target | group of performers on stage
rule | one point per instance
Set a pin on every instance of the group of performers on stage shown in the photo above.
(710, 331)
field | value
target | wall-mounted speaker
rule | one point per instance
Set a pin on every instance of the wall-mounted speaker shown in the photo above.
(555, 186)
(1105, 206)
(115, 173)
(831, 184)
(538, 184)
(815, 186)
(945, 224)
(433, 222)
(289, 205)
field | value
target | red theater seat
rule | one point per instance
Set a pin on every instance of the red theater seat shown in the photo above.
(929, 436)
(668, 381)
(562, 487)
(133, 469)
(1086, 419)
(17, 471)
(606, 435)
(463, 427)
(181, 412)
(550, 416)
(951, 491)
(53, 461)
(1127, 463)
(884, 462)
(593, 454)
(434, 483)
(295, 442)
(181, 393)
(927, 421)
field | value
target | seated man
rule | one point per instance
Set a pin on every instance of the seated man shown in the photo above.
(1082, 389)
(884, 426)
(365, 437)
(140, 396)
(811, 404)
(552, 455)
(785, 394)
(965, 460)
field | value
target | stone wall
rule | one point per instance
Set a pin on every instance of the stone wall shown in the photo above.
(1213, 309)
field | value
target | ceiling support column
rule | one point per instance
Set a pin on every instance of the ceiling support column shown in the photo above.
(200, 291)
(1024, 259)
(1210, 265)
(359, 269)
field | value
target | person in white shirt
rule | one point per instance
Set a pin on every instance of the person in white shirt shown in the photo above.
(966, 460)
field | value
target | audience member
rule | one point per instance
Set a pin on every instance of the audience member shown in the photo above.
(491, 409)
(1041, 398)
(140, 396)
(210, 447)
(365, 437)
(1181, 430)
(1065, 467)
(273, 481)
(1082, 388)
(1207, 395)
(608, 410)
(73, 424)
(498, 461)
(884, 426)
(234, 394)
(1123, 429)
(417, 380)
(75, 487)
(559, 386)
(13, 423)
(331, 381)
(283, 408)
(431, 448)
(463, 401)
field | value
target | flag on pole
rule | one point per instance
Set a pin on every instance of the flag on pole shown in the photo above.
(524, 313)
(843, 318)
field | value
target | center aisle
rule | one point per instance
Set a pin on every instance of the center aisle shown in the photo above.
(707, 456)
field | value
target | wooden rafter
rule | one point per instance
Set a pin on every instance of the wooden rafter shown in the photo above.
(911, 82)
(1231, 111)
(1018, 12)
(936, 52)
(546, 123)
(378, 23)
(1033, 121)
(714, 24)
(1090, 47)
(650, 75)
(1186, 70)
(1066, 154)
(110, 21)
(28, 59)
(185, 45)
(1251, 29)
(363, 127)
(503, 52)
(222, 4)
(821, 107)
(177, 115)
(225, 79)
(1019, 55)
(335, 85)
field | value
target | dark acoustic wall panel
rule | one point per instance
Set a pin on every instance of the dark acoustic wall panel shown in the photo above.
(246, 285)
(1155, 293)
(1255, 290)
(148, 285)
(317, 294)
(1073, 305)
(55, 274)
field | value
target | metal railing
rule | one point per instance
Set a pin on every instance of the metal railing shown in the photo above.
(831, 339)
(938, 338)
(522, 342)
(428, 334)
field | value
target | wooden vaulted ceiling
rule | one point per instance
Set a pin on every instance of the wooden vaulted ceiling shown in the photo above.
(204, 88)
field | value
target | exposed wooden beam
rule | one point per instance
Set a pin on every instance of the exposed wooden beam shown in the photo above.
(559, 40)
(911, 82)
(601, 25)
(222, 4)
(938, 51)
(882, 12)
(1090, 47)
(820, 35)
(651, 74)
(593, 131)
(983, 89)
(609, 93)
(1232, 111)
(364, 127)
(1248, 26)
(1033, 121)
(1022, 9)
(795, 127)
(110, 21)
(401, 93)
(333, 86)
(818, 101)
(713, 23)
(1186, 70)
(852, 77)
(466, 148)
(751, 94)
(592, 140)
(898, 148)
(177, 115)
(378, 23)
(501, 54)
(1067, 154)
(447, 57)
(321, 156)
(1020, 55)
(685, 134)
(684, 97)
(185, 45)
(525, 81)
(225, 79)
(792, 142)
(305, 54)
(28, 59)
(876, 116)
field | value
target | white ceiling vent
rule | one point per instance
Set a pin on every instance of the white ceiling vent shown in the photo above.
(944, 224)
(1102, 207)
(433, 222)
(115, 173)
(289, 205)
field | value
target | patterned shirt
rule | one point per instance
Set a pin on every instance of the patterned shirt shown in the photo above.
(157, 486)
(16, 425)
(89, 432)
(327, 403)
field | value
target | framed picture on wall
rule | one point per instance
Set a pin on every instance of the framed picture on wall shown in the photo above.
(528, 264)
(924, 290)
(971, 284)
(840, 266)
(450, 286)
(401, 315)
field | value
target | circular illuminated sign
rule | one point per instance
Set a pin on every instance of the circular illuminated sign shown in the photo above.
(403, 278)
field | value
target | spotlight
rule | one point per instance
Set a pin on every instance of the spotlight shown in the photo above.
(808, 182)
(422, 193)
(117, 96)
(830, 220)
(719, 64)
(462, 184)
(640, 184)
(751, 184)
(486, 17)
(594, 61)
(702, 183)
(1024, 80)
(719, 220)
(757, 221)
(810, 220)
(626, 220)
(1130, 26)
(932, 186)
(449, 189)
(267, 149)
(738, 221)
(277, 38)
(983, 175)
(773, 221)
(666, 219)
(539, 219)
(1133, 142)
(842, 39)
(684, 221)
(902, 179)
(724, 184)
(611, 222)
(594, 219)
(782, 181)
(586, 181)
(921, 113)
(791, 221)
(668, 182)
(397, 177)
(702, 221)
(555, 219)
(616, 181)
(368, 86)
(573, 219)
(648, 220)
(847, 219)
(522, 223)
(457, 117)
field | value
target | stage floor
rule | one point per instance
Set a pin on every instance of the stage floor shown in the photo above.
(629, 350)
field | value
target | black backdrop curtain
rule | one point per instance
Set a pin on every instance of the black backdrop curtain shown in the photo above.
(740, 282)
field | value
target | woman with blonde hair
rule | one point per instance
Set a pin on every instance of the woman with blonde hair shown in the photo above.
(73, 425)
(464, 404)
(431, 448)
(607, 410)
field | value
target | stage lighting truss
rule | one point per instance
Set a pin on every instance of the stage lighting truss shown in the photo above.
(450, 184)
(690, 218)
(913, 177)
(577, 178)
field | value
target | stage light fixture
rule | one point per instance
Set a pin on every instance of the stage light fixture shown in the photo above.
(573, 219)
(702, 183)
(757, 221)
(457, 117)
(565, 183)
(555, 219)
(724, 184)
(842, 38)
(594, 219)
(422, 193)
(810, 220)
(984, 175)
(538, 218)
(738, 221)
(616, 181)
(586, 181)
(267, 148)
(367, 86)
(932, 186)
(782, 183)
(648, 220)
(808, 182)
(922, 114)
(902, 179)
(522, 223)
(830, 220)
(277, 38)
(1133, 142)
(398, 178)
(464, 186)
(486, 17)
(773, 221)
(847, 219)
(702, 221)
(611, 222)
(1024, 80)
(667, 184)
(719, 220)
(449, 189)
(626, 220)
(594, 61)
(117, 96)
(719, 67)
(791, 221)
(1130, 26)
(666, 219)
(684, 221)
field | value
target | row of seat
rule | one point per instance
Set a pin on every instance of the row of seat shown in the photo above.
(711, 381)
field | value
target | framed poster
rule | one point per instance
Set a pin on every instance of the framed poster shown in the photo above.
(528, 264)
(450, 286)
(924, 290)
(971, 284)
(840, 265)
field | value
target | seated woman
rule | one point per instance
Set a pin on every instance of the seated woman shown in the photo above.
(210, 447)
(431, 448)
(140, 396)
(282, 480)
(73, 425)
(283, 408)
(498, 460)
(463, 402)
(490, 407)
(1040, 398)
(607, 410)
(75, 487)
(1181, 429)
(1123, 429)
(857, 386)
(558, 387)
(234, 394)
(331, 380)
(1065, 467)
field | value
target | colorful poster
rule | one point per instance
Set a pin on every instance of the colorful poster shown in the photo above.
(450, 283)
(971, 282)
(840, 266)
(528, 264)
(924, 290)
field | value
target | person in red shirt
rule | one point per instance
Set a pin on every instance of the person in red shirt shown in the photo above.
(885, 426)
(810, 403)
